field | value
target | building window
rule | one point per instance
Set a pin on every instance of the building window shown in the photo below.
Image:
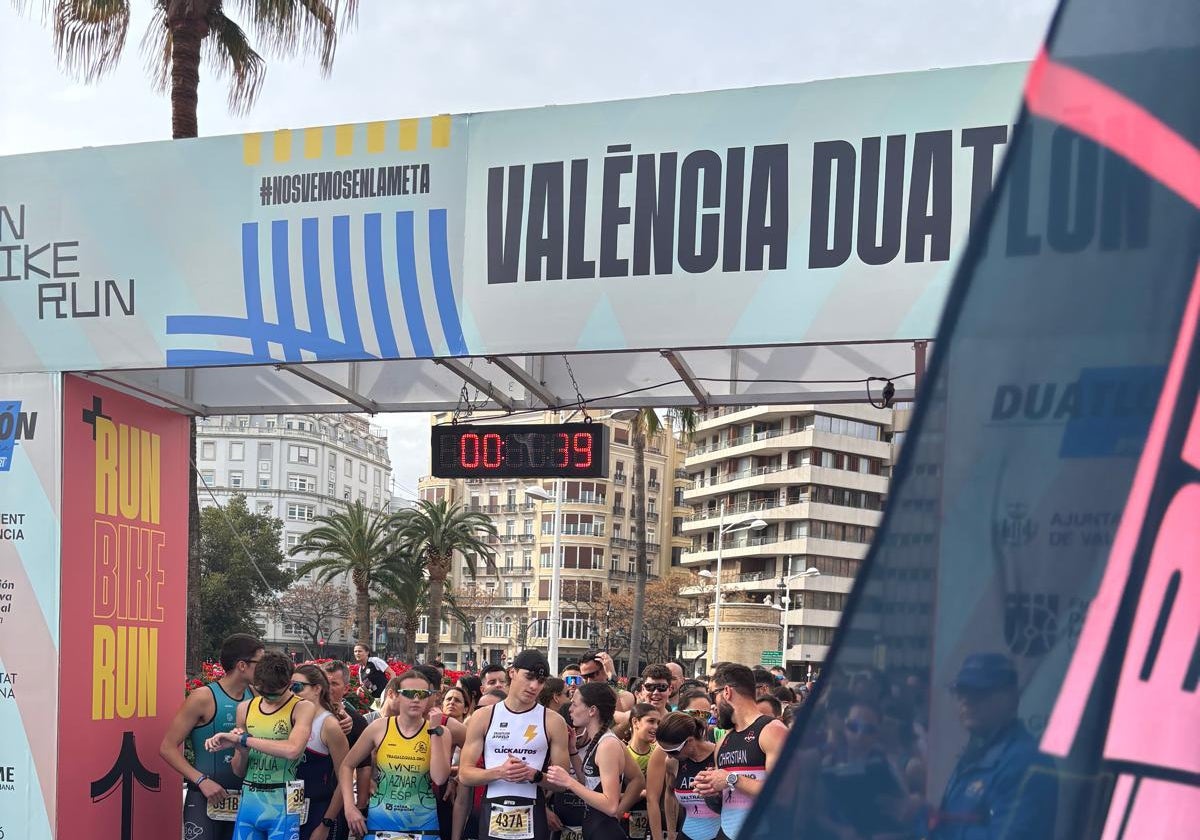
(271, 421)
(237, 451)
(362, 472)
(332, 488)
(301, 483)
(300, 513)
(266, 452)
(509, 560)
(208, 451)
(349, 470)
(264, 481)
(293, 540)
(208, 477)
(235, 478)
(302, 454)
(527, 558)
(378, 476)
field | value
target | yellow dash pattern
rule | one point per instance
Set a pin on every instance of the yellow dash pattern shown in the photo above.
(343, 140)
(312, 142)
(408, 135)
(252, 149)
(441, 131)
(283, 146)
(375, 137)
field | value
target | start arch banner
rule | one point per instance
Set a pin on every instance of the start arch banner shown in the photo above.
(734, 218)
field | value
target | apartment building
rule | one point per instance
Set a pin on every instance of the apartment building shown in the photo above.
(598, 541)
(816, 478)
(294, 467)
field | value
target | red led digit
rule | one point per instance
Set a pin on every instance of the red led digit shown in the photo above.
(562, 454)
(468, 443)
(581, 444)
(492, 439)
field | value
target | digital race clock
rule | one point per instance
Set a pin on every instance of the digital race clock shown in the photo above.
(564, 450)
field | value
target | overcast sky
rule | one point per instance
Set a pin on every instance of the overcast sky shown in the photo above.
(409, 58)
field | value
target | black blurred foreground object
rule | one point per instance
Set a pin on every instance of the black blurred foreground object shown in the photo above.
(1020, 656)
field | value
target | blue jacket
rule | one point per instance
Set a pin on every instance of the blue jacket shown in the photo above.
(1003, 788)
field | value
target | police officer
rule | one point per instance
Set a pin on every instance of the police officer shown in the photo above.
(1002, 787)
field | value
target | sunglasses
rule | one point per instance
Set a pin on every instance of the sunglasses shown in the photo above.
(670, 750)
(859, 727)
(297, 687)
(598, 674)
(536, 675)
(573, 679)
(415, 693)
(659, 688)
(698, 714)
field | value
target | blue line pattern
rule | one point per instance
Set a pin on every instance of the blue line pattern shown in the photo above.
(284, 341)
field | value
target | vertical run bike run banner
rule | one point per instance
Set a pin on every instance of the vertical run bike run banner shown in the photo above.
(1025, 635)
(124, 573)
(30, 462)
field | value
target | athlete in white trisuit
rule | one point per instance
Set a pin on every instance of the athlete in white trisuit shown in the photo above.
(517, 740)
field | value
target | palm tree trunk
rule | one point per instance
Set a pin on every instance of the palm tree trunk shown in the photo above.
(639, 517)
(362, 614)
(438, 567)
(412, 622)
(188, 29)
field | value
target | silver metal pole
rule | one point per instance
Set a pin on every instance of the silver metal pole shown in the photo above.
(717, 598)
(787, 603)
(556, 575)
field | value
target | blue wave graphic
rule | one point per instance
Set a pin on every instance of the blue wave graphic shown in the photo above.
(284, 341)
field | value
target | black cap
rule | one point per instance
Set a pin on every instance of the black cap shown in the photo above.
(985, 672)
(533, 661)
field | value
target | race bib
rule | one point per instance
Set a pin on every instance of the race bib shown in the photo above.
(639, 824)
(225, 810)
(571, 832)
(296, 803)
(511, 822)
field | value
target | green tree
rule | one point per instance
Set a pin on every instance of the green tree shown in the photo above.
(404, 593)
(646, 424)
(89, 40)
(433, 533)
(241, 569)
(357, 542)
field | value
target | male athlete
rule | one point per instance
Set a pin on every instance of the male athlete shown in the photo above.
(412, 754)
(517, 740)
(271, 734)
(205, 712)
(747, 752)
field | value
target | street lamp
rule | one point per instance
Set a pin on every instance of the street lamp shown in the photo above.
(722, 530)
(556, 570)
(786, 601)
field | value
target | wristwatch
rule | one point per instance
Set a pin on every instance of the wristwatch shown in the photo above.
(731, 780)
(538, 776)
(328, 823)
(436, 730)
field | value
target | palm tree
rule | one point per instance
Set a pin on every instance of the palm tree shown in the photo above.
(359, 543)
(434, 532)
(89, 38)
(647, 423)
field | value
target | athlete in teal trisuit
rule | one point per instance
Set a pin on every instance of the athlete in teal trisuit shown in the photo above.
(206, 711)
(272, 732)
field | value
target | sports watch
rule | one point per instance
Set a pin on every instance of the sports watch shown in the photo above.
(328, 823)
(436, 730)
(731, 780)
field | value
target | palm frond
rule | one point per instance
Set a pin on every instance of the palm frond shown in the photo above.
(227, 52)
(155, 48)
(289, 27)
(89, 35)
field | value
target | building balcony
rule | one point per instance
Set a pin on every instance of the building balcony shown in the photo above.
(776, 547)
(774, 477)
(774, 513)
(653, 485)
(618, 510)
(619, 478)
